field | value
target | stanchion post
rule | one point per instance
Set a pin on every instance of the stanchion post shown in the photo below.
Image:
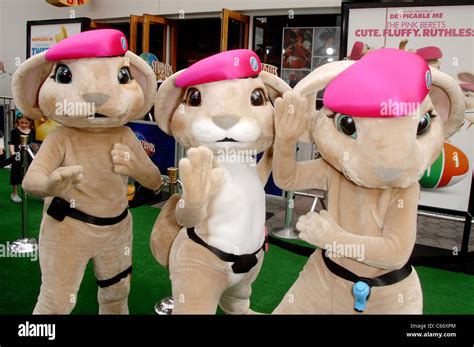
(287, 232)
(165, 305)
(24, 199)
(172, 180)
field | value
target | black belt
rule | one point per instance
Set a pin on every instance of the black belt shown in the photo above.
(61, 208)
(116, 279)
(242, 263)
(389, 278)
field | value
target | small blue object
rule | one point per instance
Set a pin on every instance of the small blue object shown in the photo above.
(361, 292)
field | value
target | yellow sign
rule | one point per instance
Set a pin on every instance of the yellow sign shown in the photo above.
(67, 3)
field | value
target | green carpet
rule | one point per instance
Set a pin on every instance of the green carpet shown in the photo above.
(444, 292)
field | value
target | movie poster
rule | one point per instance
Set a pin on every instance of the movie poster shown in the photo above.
(297, 54)
(305, 49)
(444, 37)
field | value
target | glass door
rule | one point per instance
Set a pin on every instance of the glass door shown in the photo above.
(234, 30)
(136, 31)
(160, 38)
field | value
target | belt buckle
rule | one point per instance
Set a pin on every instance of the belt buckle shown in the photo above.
(245, 263)
(59, 209)
(361, 292)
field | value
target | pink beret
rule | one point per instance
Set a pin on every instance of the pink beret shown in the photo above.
(384, 83)
(89, 44)
(238, 63)
(429, 53)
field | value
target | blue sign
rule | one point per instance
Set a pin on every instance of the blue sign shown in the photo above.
(159, 146)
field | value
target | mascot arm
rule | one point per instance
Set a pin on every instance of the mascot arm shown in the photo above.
(292, 175)
(291, 122)
(390, 251)
(201, 181)
(45, 177)
(130, 159)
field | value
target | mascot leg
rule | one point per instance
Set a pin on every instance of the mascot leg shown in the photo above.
(113, 267)
(236, 299)
(198, 277)
(197, 289)
(64, 253)
(310, 294)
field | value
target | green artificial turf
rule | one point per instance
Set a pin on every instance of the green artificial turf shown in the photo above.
(444, 292)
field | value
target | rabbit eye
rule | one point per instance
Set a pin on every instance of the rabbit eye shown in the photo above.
(63, 74)
(346, 125)
(257, 98)
(194, 97)
(124, 75)
(424, 123)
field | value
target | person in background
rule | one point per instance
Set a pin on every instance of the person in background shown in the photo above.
(23, 126)
(2, 149)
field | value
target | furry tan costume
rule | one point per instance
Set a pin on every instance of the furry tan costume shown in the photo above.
(215, 258)
(85, 163)
(370, 167)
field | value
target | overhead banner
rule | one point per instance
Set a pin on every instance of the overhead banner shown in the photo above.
(444, 37)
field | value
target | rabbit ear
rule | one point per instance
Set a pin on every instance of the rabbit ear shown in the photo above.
(275, 85)
(146, 78)
(27, 81)
(311, 85)
(166, 101)
(448, 101)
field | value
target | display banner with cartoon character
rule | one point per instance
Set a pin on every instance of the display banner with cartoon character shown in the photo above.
(43, 35)
(444, 37)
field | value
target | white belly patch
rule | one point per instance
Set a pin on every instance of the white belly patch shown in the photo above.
(237, 220)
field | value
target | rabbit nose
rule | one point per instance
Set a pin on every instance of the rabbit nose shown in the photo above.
(225, 122)
(96, 98)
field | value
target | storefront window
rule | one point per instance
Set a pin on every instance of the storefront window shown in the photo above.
(297, 45)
